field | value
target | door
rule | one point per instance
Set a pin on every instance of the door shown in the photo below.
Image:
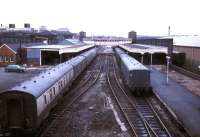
(15, 113)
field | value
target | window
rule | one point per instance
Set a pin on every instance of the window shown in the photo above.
(61, 83)
(51, 95)
(45, 99)
(2, 58)
(59, 86)
(11, 59)
(54, 90)
(6, 59)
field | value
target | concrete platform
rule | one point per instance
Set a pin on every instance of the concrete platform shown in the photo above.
(184, 104)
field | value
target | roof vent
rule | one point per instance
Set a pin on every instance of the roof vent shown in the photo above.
(49, 73)
(42, 76)
(24, 87)
(34, 81)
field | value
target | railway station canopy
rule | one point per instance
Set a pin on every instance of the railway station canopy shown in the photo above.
(62, 48)
(143, 48)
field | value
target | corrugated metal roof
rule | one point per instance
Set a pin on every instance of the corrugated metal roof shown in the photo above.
(187, 41)
(71, 42)
(143, 48)
(193, 41)
(62, 48)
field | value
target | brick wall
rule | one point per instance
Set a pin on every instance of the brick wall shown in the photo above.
(7, 56)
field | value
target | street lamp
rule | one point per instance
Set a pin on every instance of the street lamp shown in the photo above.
(151, 53)
(168, 59)
(142, 53)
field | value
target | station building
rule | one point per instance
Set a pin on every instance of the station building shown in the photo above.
(54, 54)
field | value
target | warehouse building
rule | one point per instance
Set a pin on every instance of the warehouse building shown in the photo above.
(190, 45)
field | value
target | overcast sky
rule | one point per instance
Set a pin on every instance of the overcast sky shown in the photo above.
(106, 17)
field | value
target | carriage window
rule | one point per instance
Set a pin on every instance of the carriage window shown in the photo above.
(54, 90)
(61, 84)
(45, 99)
(51, 95)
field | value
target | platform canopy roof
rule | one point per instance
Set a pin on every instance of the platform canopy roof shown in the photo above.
(62, 48)
(71, 42)
(143, 48)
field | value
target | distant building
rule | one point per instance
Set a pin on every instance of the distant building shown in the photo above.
(133, 35)
(190, 45)
(12, 35)
(11, 25)
(82, 35)
(43, 28)
(157, 41)
(27, 25)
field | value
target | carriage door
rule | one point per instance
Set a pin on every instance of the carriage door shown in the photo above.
(15, 113)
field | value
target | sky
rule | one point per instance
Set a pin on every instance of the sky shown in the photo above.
(106, 17)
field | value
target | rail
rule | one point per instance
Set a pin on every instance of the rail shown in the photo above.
(83, 87)
(185, 72)
(140, 116)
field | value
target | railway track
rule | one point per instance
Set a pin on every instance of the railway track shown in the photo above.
(64, 108)
(185, 72)
(139, 114)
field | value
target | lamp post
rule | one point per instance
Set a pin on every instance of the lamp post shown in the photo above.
(168, 59)
(151, 53)
(142, 53)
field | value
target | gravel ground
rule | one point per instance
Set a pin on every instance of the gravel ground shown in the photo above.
(93, 115)
(191, 84)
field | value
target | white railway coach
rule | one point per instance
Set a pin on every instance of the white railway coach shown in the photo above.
(23, 107)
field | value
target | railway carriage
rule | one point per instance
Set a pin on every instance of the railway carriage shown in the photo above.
(23, 107)
(118, 52)
(136, 76)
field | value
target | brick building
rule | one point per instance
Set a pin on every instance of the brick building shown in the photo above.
(7, 55)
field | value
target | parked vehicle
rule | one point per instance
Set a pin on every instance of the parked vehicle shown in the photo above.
(15, 68)
(25, 106)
